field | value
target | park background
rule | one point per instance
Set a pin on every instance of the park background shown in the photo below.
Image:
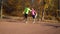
(46, 9)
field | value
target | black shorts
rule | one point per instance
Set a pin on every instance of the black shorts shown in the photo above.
(25, 15)
(33, 16)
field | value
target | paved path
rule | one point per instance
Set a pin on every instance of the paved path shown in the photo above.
(29, 28)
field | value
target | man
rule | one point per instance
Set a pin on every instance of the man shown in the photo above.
(26, 12)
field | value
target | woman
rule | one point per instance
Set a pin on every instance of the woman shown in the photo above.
(34, 15)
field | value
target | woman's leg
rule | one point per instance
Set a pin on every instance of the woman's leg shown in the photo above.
(33, 18)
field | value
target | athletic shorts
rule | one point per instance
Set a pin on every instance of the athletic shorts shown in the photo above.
(25, 15)
(33, 16)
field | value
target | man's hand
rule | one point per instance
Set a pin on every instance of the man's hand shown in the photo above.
(23, 12)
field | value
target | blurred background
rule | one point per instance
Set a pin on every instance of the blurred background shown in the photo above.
(46, 9)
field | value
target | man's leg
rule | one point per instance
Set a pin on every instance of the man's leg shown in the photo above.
(26, 18)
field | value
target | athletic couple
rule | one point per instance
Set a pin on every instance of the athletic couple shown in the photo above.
(27, 11)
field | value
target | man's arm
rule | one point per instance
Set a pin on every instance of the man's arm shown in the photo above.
(30, 9)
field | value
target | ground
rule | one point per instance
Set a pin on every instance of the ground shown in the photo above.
(19, 27)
